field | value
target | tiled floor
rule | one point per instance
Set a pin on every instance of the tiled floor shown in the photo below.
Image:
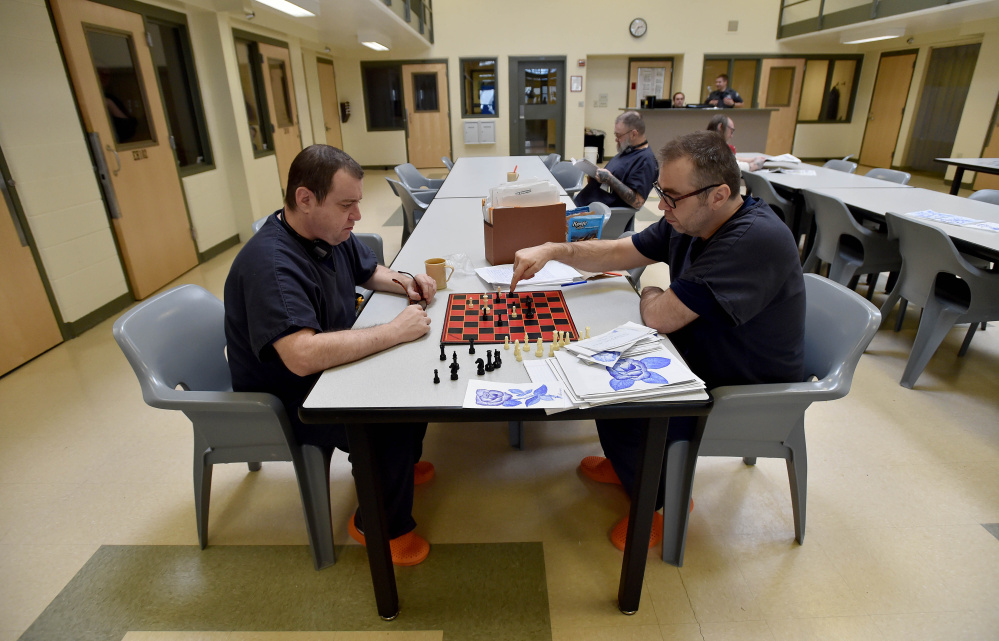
(901, 483)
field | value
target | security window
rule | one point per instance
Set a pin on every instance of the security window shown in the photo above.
(248, 62)
(828, 90)
(383, 95)
(478, 87)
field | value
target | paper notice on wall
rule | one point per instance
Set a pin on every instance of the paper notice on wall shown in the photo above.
(650, 82)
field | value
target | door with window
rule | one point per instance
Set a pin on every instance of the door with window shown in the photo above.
(428, 122)
(331, 108)
(280, 92)
(780, 89)
(537, 106)
(29, 325)
(884, 119)
(115, 85)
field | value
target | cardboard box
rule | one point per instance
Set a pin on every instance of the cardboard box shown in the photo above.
(514, 228)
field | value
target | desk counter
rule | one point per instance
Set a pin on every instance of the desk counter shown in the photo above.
(663, 125)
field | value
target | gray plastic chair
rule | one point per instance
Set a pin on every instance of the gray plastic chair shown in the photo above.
(410, 176)
(569, 176)
(258, 223)
(551, 160)
(850, 248)
(447, 162)
(751, 421)
(891, 175)
(628, 214)
(986, 196)
(634, 275)
(762, 189)
(841, 165)
(174, 343)
(938, 278)
(373, 242)
(413, 206)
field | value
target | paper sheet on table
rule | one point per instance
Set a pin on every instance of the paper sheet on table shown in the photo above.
(553, 272)
(950, 219)
(483, 393)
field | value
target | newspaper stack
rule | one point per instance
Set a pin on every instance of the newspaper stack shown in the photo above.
(629, 363)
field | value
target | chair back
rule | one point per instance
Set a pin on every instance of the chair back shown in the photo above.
(762, 189)
(569, 176)
(841, 165)
(891, 175)
(410, 176)
(447, 162)
(986, 196)
(616, 219)
(258, 223)
(412, 209)
(551, 160)
(833, 221)
(635, 274)
(375, 244)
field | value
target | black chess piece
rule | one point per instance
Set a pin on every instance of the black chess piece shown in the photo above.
(499, 319)
(482, 369)
(454, 371)
(437, 379)
(443, 355)
(497, 361)
(489, 361)
(454, 360)
(471, 345)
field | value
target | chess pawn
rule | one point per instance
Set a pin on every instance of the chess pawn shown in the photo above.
(516, 347)
(551, 348)
(506, 342)
(518, 356)
(568, 339)
(555, 342)
(540, 351)
(587, 332)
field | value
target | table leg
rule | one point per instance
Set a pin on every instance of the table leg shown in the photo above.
(956, 185)
(369, 496)
(681, 459)
(643, 504)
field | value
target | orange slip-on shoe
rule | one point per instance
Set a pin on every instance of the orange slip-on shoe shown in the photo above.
(620, 532)
(599, 469)
(423, 471)
(408, 549)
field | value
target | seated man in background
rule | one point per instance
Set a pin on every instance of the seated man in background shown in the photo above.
(289, 312)
(722, 96)
(679, 100)
(724, 127)
(627, 179)
(735, 309)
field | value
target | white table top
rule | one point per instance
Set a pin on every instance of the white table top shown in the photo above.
(990, 165)
(474, 176)
(903, 201)
(403, 375)
(827, 179)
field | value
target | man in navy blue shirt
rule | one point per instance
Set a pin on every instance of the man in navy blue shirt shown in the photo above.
(289, 313)
(735, 307)
(627, 179)
(722, 96)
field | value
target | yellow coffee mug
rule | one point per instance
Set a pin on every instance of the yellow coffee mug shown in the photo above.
(512, 176)
(437, 269)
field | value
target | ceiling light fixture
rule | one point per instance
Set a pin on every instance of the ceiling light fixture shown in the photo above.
(290, 8)
(872, 36)
(376, 41)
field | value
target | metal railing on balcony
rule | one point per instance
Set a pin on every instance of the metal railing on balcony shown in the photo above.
(418, 13)
(798, 17)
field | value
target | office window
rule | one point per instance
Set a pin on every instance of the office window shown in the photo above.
(248, 61)
(741, 74)
(780, 86)
(828, 90)
(174, 64)
(478, 87)
(382, 96)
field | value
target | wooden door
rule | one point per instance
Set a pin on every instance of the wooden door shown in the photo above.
(884, 119)
(115, 85)
(331, 108)
(990, 181)
(780, 89)
(428, 122)
(656, 80)
(280, 91)
(29, 325)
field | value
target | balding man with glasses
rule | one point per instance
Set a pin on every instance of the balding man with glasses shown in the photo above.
(627, 179)
(735, 307)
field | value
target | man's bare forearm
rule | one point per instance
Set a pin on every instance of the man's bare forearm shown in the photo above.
(663, 311)
(306, 352)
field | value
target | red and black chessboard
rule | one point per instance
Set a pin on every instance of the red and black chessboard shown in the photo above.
(464, 319)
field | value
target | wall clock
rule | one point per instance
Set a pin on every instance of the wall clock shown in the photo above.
(638, 27)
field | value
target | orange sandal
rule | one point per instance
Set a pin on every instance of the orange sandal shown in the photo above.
(408, 549)
(423, 471)
(599, 469)
(620, 532)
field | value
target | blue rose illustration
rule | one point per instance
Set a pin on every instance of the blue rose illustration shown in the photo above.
(628, 370)
(491, 398)
(529, 397)
(606, 357)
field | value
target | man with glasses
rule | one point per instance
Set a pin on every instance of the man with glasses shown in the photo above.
(735, 307)
(627, 179)
(724, 127)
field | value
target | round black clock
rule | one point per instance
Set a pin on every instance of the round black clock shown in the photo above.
(638, 27)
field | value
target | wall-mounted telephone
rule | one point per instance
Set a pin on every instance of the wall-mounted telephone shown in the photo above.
(344, 111)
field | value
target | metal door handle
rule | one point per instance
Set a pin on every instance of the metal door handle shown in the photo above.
(13, 214)
(116, 159)
(522, 112)
(102, 174)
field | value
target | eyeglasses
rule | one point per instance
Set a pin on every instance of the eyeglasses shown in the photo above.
(669, 200)
(618, 136)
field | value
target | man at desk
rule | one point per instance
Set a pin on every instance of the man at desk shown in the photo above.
(289, 312)
(722, 96)
(679, 100)
(628, 177)
(735, 309)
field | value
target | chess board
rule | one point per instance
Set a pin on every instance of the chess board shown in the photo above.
(464, 318)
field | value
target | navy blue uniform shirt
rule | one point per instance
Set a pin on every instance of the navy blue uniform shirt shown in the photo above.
(745, 284)
(636, 168)
(721, 95)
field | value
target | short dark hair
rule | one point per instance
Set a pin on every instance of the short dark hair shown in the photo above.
(722, 75)
(679, 93)
(718, 123)
(714, 163)
(314, 168)
(632, 120)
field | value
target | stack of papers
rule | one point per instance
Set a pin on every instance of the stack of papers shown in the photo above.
(553, 273)
(950, 219)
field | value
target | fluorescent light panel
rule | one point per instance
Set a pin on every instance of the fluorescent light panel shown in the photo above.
(287, 7)
(377, 46)
(885, 34)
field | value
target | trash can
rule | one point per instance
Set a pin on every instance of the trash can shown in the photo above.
(595, 140)
(590, 153)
